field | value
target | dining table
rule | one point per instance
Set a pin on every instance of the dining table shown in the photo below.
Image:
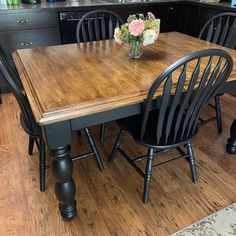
(73, 86)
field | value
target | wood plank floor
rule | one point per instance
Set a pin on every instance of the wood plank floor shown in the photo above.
(110, 203)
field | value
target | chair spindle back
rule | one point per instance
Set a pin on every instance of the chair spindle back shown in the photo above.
(97, 25)
(11, 70)
(185, 87)
(20, 97)
(221, 29)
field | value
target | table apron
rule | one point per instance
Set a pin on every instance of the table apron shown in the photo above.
(102, 117)
(118, 113)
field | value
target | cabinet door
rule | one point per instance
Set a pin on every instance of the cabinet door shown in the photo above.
(188, 19)
(172, 18)
(12, 40)
(161, 12)
(204, 14)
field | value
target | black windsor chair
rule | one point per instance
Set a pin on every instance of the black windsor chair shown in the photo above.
(94, 26)
(30, 126)
(171, 121)
(220, 29)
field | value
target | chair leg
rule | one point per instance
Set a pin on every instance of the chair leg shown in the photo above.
(148, 175)
(94, 149)
(116, 145)
(102, 132)
(42, 164)
(31, 145)
(79, 133)
(218, 113)
(192, 162)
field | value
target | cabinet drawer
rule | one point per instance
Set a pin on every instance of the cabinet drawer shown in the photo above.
(12, 40)
(17, 21)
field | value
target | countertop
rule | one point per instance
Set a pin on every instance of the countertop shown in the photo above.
(91, 3)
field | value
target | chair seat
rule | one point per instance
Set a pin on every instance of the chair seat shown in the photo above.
(133, 125)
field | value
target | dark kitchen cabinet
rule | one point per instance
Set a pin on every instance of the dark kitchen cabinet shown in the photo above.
(25, 30)
(172, 18)
(193, 17)
(167, 13)
(12, 40)
(187, 19)
(204, 14)
(20, 21)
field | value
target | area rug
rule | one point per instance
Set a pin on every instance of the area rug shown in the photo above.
(221, 223)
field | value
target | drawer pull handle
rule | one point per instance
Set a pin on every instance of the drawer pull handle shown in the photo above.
(26, 44)
(23, 21)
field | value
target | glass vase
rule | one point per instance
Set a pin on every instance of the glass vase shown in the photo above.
(135, 49)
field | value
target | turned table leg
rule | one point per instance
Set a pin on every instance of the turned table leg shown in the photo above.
(62, 169)
(58, 137)
(231, 145)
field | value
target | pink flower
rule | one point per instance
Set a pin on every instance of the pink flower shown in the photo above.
(136, 27)
(151, 16)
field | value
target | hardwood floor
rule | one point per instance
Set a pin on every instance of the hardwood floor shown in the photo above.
(110, 203)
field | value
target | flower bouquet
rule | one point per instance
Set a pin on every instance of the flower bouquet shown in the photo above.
(138, 30)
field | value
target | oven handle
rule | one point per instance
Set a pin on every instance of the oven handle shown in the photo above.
(73, 19)
(78, 19)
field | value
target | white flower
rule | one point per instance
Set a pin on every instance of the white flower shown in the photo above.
(149, 36)
(117, 35)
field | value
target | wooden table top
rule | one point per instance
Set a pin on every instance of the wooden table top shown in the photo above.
(69, 81)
